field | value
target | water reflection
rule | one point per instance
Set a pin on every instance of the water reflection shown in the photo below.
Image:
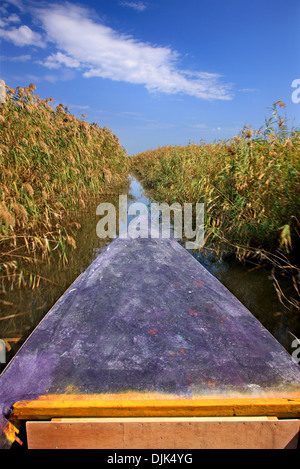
(21, 310)
(136, 192)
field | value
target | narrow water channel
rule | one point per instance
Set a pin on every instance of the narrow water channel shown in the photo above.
(21, 310)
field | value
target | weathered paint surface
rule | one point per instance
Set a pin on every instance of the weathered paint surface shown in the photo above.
(146, 319)
(146, 405)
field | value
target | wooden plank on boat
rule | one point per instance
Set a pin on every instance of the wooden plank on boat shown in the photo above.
(164, 433)
(141, 405)
(146, 330)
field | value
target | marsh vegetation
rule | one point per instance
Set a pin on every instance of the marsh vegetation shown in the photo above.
(52, 165)
(250, 188)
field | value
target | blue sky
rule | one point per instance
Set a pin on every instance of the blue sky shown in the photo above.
(157, 72)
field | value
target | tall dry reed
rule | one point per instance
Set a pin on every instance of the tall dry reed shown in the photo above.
(51, 164)
(250, 186)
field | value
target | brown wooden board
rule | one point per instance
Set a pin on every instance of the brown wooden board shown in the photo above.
(176, 433)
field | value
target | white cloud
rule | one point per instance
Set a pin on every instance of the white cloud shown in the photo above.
(248, 90)
(10, 19)
(87, 44)
(22, 36)
(139, 6)
(197, 126)
(50, 78)
(13, 18)
(16, 3)
(58, 59)
(19, 58)
(79, 106)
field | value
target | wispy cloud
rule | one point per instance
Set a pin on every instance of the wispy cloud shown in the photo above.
(248, 90)
(58, 59)
(139, 6)
(13, 18)
(16, 3)
(197, 126)
(7, 19)
(101, 51)
(51, 78)
(84, 43)
(79, 106)
(18, 58)
(137, 116)
(22, 36)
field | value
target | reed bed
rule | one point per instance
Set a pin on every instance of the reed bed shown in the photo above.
(52, 164)
(250, 188)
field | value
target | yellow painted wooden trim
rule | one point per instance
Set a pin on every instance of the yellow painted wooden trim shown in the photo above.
(90, 406)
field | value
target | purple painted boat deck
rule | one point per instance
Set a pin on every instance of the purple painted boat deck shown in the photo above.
(146, 317)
